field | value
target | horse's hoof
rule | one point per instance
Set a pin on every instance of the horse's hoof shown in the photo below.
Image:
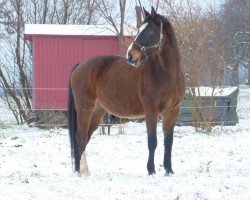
(151, 173)
(81, 174)
(84, 170)
(85, 173)
(169, 172)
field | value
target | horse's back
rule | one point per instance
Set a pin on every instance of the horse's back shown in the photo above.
(112, 82)
(92, 68)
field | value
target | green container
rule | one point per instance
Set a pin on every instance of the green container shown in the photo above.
(222, 102)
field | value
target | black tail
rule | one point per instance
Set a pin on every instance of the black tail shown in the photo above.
(72, 122)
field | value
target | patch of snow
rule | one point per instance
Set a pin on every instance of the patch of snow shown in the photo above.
(6, 116)
(36, 164)
(216, 92)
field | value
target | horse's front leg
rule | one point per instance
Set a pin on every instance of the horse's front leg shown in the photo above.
(168, 123)
(168, 142)
(151, 122)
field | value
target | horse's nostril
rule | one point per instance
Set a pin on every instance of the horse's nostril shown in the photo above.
(130, 58)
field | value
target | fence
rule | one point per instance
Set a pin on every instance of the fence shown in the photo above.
(226, 107)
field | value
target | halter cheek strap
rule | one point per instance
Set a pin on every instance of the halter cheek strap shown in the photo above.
(157, 45)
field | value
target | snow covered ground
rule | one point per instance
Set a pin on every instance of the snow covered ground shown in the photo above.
(35, 163)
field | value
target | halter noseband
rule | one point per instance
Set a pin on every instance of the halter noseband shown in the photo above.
(157, 45)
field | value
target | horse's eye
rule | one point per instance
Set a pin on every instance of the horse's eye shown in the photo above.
(149, 32)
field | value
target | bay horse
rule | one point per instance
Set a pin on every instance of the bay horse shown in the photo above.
(148, 83)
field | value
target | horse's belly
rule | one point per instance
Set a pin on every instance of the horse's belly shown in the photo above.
(117, 91)
(124, 112)
(124, 106)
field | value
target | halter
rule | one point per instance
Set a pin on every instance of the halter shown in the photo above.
(157, 45)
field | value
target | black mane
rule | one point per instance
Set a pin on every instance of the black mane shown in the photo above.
(164, 19)
(158, 19)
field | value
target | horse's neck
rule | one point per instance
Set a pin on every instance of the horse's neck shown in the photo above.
(169, 58)
(167, 62)
(169, 54)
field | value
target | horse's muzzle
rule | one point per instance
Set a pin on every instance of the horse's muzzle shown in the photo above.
(135, 63)
(130, 58)
(134, 57)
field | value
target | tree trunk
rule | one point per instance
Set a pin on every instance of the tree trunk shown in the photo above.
(138, 11)
(248, 77)
(235, 75)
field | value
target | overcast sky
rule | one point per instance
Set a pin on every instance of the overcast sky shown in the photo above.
(204, 3)
(148, 3)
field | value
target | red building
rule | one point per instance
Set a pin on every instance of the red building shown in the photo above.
(55, 50)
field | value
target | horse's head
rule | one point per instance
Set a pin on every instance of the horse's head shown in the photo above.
(148, 39)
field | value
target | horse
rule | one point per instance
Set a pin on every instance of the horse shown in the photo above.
(147, 83)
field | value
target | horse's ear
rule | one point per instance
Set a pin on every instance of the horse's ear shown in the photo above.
(146, 13)
(153, 12)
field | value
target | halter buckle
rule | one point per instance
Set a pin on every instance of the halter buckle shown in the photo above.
(160, 44)
(143, 48)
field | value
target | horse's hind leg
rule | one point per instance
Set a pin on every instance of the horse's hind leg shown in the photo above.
(96, 119)
(88, 121)
(83, 121)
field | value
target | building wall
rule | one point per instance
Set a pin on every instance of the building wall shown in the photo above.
(53, 58)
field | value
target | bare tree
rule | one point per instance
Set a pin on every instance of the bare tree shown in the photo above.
(235, 33)
(202, 55)
(61, 11)
(14, 72)
(114, 15)
(15, 62)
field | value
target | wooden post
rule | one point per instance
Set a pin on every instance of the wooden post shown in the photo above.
(138, 11)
